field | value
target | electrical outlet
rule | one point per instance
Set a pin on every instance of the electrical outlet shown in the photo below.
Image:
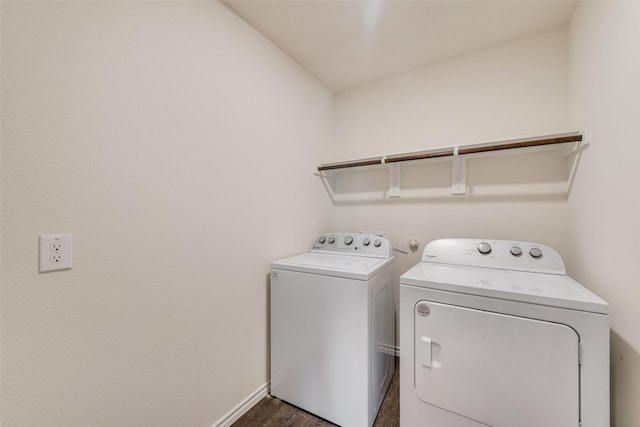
(55, 252)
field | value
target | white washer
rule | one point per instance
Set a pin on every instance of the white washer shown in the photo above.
(494, 333)
(332, 328)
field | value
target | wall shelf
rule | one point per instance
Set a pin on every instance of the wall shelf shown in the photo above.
(570, 142)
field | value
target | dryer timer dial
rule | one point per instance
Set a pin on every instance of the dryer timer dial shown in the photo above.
(484, 248)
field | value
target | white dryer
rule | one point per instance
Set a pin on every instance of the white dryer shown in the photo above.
(332, 328)
(494, 333)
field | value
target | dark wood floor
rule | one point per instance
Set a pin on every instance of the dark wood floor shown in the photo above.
(272, 412)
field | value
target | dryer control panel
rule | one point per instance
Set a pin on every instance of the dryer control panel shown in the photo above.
(502, 254)
(369, 245)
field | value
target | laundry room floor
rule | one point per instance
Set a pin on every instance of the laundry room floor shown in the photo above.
(272, 412)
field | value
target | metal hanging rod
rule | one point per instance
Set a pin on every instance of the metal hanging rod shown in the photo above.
(461, 150)
(352, 164)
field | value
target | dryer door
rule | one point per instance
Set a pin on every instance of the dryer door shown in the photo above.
(496, 369)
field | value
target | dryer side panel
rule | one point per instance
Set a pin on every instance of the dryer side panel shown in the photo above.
(496, 369)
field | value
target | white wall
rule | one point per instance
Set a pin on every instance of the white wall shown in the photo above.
(513, 89)
(517, 89)
(175, 143)
(604, 206)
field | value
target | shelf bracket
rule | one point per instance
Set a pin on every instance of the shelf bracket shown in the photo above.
(459, 174)
(394, 180)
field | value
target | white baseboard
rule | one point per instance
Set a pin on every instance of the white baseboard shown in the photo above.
(233, 415)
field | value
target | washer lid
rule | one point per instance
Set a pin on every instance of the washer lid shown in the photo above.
(347, 266)
(534, 288)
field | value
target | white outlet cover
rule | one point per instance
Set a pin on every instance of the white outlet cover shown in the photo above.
(56, 252)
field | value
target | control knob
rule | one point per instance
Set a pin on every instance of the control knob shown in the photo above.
(484, 248)
(332, 239)
(348, 240)
(366, 241)
(321, 239)
(535, 252)
(377, 243)
(516, 251)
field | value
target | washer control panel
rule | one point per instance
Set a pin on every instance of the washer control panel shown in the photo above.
(360, 244)
(502, 254)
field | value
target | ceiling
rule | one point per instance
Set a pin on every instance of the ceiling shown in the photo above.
(347, 43)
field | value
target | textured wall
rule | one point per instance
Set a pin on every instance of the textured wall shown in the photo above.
(604, 206)
(175, 143)
(509, 90)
